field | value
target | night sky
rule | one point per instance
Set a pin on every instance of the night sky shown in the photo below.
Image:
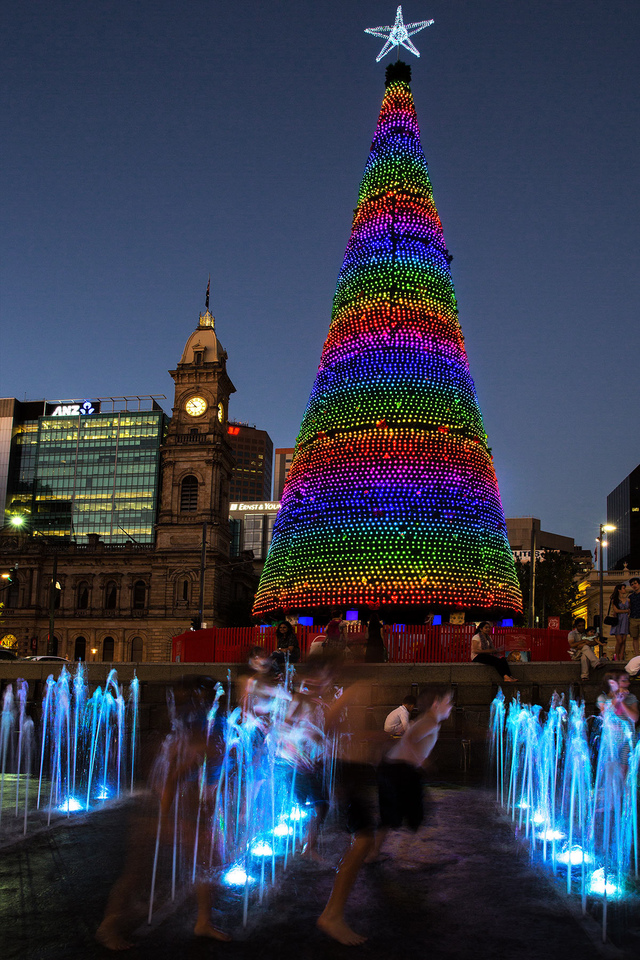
(146, 145)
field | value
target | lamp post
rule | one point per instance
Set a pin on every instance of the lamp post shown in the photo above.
(18, 521)
(603, 543)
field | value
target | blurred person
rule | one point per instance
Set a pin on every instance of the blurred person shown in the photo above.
(619, 606)
(400, 787)
(258, 689)
(186, 770)
(304, 745)
(483, 651)
(621, 705)
(397, 722)
(353, 779)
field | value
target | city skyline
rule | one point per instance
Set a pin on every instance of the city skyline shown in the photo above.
(145, 155)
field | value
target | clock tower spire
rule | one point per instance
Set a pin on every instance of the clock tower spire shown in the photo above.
(196, 456)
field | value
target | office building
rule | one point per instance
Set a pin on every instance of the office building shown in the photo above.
(86, 472)
(282, 464)
(252, 528)
(623, 512)
(253, 454)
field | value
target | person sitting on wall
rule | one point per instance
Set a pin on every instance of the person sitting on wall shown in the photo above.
(286, 644)
(398, 720)
(483, 651)
(581, 646)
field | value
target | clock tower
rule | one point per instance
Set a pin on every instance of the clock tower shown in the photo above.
(197, 460)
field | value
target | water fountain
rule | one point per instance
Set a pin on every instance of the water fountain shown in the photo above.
(222, 787)
(574, 801)
(80, 753)
(232, 813)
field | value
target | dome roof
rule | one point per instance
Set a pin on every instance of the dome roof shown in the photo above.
(203, 339)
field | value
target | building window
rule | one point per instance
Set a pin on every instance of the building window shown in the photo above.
(189, 495)
(80, 649)
(54, 647)
(139, 595)
(82, 599)
(185, 590)
(136, 650)
(110, 595)
(197, 356)
(252, 535)
(108, 646)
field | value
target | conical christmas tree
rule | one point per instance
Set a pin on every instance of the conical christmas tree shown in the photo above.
(392, 498)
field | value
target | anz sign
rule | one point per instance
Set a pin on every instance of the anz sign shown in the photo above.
(74, 409)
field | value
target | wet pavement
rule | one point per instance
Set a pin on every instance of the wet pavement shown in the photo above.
(463, 886)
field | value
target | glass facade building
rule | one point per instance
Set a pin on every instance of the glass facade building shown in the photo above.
(623, 513)
(71, 474)
(98, 475)
(253, 452)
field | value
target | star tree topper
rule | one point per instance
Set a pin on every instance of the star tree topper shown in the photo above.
(398, 35)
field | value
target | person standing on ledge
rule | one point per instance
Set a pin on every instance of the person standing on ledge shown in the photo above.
(483, 651)
(634, 614)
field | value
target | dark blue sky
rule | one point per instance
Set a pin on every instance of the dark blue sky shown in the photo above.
(148, 144)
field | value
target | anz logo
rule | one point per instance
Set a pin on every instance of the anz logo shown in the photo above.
(73, 409)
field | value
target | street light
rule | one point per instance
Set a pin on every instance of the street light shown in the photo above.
(604, 527)
(18, 521)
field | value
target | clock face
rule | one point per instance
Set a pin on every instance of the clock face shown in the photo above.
(220, 412)
(196, 406)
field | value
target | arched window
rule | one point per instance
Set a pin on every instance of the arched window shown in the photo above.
(136, 650)
(139, 595)
(82, 598)
(80, 649)
(57, 597)
(189, 494)
(108, 645)
(185, 590)
(110, 595)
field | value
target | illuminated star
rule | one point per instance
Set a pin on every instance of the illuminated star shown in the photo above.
(398, 35)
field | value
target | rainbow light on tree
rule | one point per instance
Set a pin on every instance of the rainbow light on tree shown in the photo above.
(392, 497)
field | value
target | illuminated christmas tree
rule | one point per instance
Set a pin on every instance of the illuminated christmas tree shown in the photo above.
(392, 498)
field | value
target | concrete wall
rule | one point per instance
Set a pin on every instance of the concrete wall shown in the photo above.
(463, 737)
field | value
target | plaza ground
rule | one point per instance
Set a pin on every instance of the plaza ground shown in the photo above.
(463, 886)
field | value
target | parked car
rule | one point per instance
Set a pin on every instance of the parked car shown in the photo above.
(46, 658)
(6, 654)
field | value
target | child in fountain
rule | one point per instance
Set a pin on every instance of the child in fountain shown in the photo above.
(187, 772)
(353, 776)
(400, 788)
(622, 708)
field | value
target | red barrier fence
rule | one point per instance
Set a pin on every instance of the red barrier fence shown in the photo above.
(448, 643)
